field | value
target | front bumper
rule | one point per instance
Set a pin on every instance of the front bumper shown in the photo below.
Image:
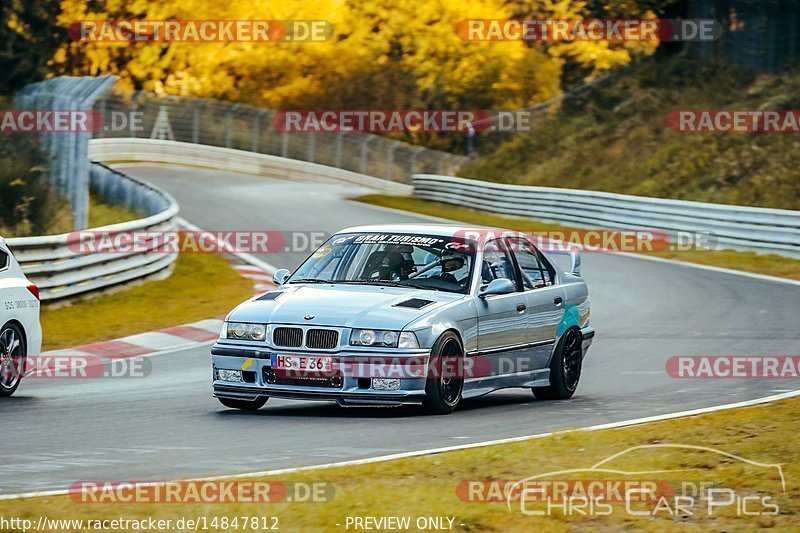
(587, 335)
(349, 387)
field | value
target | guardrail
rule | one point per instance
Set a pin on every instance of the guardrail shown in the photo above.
(56, 264)
(228, 159)
(728, 226)
(251, 129)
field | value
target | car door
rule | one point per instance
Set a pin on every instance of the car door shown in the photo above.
(544, 298)
(502, 318)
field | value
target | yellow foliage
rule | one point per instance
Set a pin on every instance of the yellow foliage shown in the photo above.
(383, 54)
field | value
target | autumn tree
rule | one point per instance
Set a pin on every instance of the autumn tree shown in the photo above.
(29, 36)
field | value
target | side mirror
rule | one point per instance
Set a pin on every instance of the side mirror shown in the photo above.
(498, 286)
(280, 276)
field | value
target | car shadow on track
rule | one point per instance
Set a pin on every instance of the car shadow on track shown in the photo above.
(17, 400)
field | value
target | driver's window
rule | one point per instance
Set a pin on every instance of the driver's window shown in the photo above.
(496, 263)
(534, 274)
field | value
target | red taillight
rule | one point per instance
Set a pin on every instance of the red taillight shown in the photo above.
(34, 290)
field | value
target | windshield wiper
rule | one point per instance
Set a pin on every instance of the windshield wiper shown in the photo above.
(372, 282)
(423, 287)
(311, 280)
(386, 282)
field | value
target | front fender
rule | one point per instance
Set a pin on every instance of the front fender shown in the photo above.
(461, 317)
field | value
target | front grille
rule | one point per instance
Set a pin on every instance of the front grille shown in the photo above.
(322, 339)
(288, 337)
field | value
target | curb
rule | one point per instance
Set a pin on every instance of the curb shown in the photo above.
(170, 339)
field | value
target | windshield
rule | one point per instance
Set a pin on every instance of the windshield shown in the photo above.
(397, 259)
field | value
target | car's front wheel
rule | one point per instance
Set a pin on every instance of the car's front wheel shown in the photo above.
(445, 375)
(12, 358)
(565, 369)
(244, 405)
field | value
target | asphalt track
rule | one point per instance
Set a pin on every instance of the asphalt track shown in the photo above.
(168, 426)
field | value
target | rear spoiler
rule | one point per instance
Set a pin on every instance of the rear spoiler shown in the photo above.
(574, 260)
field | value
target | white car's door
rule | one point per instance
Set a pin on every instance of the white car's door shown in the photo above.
(20, 331)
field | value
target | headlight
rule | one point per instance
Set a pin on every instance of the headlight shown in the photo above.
(248, 332)
(383, 338)
(408, 340)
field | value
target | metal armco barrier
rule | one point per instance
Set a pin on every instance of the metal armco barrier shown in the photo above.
(728, 226)
(251, 129)
(61, 270)
(228, 159)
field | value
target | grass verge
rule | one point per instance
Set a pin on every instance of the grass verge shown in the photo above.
(201, 286)
(103, 214)
(768, 264)
(427, 485)
(615, 137)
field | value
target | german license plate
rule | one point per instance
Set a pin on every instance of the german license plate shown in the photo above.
(302, 363)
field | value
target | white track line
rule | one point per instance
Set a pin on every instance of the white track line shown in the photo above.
(432, 451)
(247, 258)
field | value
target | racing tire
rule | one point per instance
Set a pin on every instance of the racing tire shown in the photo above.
(12, 358)
(446, 378)
(565, 369)
(244, 405)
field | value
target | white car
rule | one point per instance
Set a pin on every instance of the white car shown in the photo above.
(20, 330)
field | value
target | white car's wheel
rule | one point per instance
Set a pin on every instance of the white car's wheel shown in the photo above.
(12, 358)
(446, 379)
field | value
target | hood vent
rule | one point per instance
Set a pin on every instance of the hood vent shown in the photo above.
(274, 295)
(415, 303)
